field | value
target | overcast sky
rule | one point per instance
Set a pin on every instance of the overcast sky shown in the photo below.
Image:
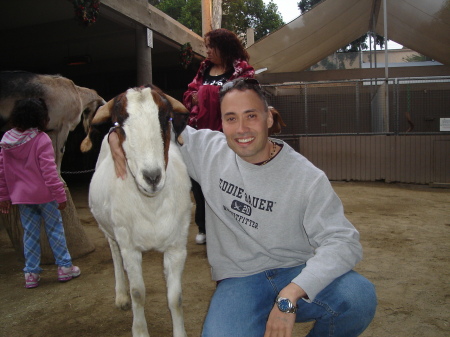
(288, 9)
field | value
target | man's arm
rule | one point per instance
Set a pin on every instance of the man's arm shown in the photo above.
(117, 155)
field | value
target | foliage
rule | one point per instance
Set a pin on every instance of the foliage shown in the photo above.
(172, 8)
(86, 11)
(354, 46)
(191, 16)
(238, 15)
(416, 58)
(186, 55)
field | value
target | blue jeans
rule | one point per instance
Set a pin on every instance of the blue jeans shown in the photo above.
(240, 306)
(30, 216)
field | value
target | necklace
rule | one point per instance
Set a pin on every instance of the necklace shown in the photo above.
(272, 153)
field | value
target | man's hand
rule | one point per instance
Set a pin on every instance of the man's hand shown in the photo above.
(5, 206)
(281, 324)
(117, 155)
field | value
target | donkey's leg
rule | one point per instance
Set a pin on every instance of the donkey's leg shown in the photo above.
(132, 261)
(122, 298)
(174, 259)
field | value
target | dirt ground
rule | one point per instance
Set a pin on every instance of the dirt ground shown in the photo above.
(404, 231)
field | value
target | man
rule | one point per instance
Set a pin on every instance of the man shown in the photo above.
(280, 247)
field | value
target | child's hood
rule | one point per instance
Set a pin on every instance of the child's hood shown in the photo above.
(14, 138)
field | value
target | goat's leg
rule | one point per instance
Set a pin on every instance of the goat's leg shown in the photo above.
(122, 298)
(174, 259)
(132, 261)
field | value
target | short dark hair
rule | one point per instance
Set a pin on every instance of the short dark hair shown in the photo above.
(243, 84)
(29, 113)
(229, 46)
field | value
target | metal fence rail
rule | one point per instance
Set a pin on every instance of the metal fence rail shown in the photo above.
(346, 129)
(358, 106)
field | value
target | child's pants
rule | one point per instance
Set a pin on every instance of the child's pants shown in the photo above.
(30, 215)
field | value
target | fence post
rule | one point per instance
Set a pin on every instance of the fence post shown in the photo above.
(306, 109)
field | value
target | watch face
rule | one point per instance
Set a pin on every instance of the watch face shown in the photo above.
(284, 305)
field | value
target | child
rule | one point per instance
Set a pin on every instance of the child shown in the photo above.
(29, 178)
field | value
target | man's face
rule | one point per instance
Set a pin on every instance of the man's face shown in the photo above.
(246, 124)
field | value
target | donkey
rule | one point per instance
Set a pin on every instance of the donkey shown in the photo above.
(66, 103)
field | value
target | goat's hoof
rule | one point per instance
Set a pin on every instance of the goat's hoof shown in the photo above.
(125, 306)
(123, 303)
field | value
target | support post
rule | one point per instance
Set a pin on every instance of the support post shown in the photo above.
(206, 16)
(386, 70)
(144, 44)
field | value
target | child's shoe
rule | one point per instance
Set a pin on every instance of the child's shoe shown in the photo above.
(67, 273)
(32, 280)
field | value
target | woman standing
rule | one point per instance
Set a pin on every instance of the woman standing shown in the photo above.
(226, 60)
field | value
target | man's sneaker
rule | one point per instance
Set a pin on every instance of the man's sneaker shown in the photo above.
(31, 280)
(200, 239)
(67, 273)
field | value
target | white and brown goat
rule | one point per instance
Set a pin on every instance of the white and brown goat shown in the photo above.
(150, 209)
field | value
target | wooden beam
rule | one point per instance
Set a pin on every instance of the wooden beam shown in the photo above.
(159, 22)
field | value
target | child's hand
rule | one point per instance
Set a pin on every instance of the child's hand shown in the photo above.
(62, 205)
(5, 206)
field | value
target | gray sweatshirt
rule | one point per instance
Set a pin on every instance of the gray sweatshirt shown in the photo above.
(282, 214)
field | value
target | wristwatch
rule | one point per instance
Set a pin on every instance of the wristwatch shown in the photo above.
(285, 305)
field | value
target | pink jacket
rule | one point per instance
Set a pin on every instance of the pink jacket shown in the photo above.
(28, 173)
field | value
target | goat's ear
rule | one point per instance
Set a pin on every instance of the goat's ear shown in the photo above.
(103, 113)
(278, 122)
(180, 115)
(179, 121)
(97, 124)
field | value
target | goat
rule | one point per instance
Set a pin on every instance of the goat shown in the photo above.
(277, 121)
(151, 207)
(66, 103)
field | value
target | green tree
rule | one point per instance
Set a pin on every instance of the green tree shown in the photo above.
(238, 15)
(191, 16)
(173, 8)
(354, 46)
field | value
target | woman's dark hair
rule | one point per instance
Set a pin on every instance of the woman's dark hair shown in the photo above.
(229, 46)
(29, 113)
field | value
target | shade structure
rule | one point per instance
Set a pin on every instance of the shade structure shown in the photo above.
(423, 26)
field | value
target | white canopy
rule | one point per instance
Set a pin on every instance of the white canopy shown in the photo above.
(421, 25)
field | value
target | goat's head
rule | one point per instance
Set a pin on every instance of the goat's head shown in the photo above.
(144, 116)
(100, 122)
